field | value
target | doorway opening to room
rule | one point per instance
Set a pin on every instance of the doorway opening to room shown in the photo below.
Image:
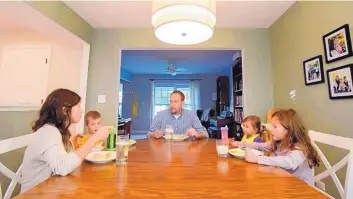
(206, 77)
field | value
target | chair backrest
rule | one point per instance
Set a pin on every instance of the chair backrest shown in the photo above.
(340, 142)
(7, 146)
(75, 141)
(270, 113)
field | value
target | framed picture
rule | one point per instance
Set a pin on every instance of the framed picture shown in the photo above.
(340, 82)
(313, 71)
(337, 44)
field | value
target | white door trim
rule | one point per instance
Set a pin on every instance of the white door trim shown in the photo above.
(83, 84)
(119, 50)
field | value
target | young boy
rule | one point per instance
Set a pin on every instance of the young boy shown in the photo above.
(93, 122)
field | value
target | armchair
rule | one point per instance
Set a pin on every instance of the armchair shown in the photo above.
(204, 117)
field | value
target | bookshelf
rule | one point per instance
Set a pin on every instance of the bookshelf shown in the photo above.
(238, 108)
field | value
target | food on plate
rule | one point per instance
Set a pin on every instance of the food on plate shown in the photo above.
(175, 137)
(179, 136)
(99, 143)
(101, 156)
(237, 152)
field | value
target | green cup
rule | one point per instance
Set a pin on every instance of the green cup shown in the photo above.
(111, 140)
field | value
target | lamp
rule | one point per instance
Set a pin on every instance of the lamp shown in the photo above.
(183, 22)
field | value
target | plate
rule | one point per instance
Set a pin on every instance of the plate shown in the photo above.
(237, 152)
(240, 153)
(101, 157)
(131, 142)
(177, 137)
(180, 137)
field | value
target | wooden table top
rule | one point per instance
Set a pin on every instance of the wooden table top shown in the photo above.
(189, 169)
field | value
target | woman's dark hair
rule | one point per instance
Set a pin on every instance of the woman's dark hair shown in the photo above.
(56, 111)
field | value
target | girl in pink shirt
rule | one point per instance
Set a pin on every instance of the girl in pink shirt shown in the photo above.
(291, 147)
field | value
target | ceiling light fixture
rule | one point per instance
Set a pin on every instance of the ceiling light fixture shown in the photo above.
(184, 22)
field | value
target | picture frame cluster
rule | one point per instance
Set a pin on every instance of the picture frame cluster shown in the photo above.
(337, 46)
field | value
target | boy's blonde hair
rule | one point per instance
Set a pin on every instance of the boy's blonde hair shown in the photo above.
(91, 115)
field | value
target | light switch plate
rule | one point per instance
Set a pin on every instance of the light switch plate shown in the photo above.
(101, 99)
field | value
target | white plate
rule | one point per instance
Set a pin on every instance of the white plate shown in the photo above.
(105, 156)
(132, 142)
(237, 152)
(180, 137)
(240, 153)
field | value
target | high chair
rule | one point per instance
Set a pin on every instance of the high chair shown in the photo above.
(75, 141)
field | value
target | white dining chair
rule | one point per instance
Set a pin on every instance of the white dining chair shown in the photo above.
(340, 142)
(7, 146)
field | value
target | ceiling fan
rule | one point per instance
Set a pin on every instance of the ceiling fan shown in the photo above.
(174, 70)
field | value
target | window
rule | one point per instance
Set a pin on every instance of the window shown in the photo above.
(161, 94)
(186, 91)
(161, 98)
(121, 100)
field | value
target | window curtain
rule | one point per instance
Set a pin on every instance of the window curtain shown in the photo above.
(152, 101)
(195, 95)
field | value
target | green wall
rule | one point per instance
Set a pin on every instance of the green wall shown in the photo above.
(274, 67)
(295, 37)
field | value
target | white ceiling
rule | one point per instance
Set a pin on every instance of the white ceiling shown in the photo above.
(19, 16)
(133, 14)
(7, 23)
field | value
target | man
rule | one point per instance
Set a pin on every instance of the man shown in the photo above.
(182, 121)
(345, 81)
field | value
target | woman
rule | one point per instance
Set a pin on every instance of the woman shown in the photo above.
(50, 151)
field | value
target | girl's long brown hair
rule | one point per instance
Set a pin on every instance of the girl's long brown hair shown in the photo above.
(260, 129)
(56, 111)
(297, 136)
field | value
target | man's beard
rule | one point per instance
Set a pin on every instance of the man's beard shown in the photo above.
(173, 111)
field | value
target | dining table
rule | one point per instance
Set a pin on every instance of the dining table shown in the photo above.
(158, 168)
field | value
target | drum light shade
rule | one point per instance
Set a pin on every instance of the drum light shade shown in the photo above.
(184, 22)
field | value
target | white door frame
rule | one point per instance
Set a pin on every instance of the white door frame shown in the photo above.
(119, 61)
(83, 84)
